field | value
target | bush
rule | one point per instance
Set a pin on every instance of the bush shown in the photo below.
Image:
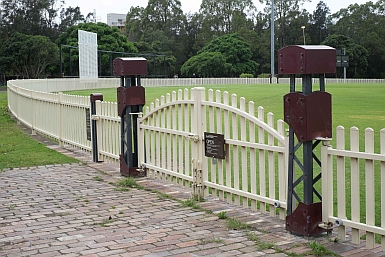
(246, 75)
(264, 75)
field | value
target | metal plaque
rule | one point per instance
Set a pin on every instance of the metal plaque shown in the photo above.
(88, 124)
(214, 145)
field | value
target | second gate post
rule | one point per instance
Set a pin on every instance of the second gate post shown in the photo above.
(131, 99)
(309, 116)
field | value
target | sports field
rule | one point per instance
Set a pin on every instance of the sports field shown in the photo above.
(360, 105)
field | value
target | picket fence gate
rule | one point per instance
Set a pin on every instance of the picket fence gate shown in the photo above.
(173, 128)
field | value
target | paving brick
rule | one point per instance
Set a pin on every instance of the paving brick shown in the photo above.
(62, 210)
(94, 250)
(187, 244)
(232, 247)
(136, 253)
(48, 254)
(74, 249)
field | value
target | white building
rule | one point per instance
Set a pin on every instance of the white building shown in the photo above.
(116, 20)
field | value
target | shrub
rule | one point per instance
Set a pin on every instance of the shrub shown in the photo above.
(264, 75)
(246, 75)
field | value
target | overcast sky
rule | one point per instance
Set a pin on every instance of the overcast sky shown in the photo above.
(123, 6)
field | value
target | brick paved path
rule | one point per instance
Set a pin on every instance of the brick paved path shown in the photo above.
(76, 210)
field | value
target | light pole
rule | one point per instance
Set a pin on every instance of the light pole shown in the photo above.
(303, 34)
(272, 40)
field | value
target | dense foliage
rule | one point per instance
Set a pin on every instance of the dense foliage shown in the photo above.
(227, 55)
(191, 33)
(109, 39)
(181, 40)
(28, 56)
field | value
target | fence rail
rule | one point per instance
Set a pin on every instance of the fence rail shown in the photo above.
(254, 144)
(62, 85)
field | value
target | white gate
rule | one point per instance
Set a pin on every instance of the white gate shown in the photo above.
(253, 172)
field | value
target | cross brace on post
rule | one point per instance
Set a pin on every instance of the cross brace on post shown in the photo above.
(308, 114)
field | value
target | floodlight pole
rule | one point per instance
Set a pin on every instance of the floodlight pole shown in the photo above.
(344, 65)
(61, 60)
(272, 40)
(303, 34)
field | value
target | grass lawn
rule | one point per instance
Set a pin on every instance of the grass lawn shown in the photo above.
(359, 105)
(17, 149)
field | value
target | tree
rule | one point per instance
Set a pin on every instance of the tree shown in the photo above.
(358, 55)
(164, 15)
(234, 52)
(161, 26)
(224, 17)
(192, 27)
(318, 28)
(134, 26)
(28, 56)
(288, 21)
(109, 39)
(365, 25)
(206, 64)
(70, 17)
(30, 17)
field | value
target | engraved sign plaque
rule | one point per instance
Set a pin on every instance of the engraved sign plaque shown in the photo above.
(214, 145)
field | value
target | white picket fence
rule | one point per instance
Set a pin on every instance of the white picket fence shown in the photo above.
(108, 128)
(348, 179)
(61, 117)
(61, 85)
(254, 169)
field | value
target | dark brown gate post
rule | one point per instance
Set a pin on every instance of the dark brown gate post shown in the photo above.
(94, 133)
(309, 116)
(131, 98)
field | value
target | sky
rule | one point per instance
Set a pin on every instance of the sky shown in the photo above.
(123, 6)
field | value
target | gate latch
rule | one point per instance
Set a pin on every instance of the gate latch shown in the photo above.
(193, 137)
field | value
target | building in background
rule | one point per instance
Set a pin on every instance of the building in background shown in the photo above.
(116, 20)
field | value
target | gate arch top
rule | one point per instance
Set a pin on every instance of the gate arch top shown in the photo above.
(187, 99)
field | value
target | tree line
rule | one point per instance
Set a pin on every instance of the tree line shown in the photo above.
(224, 38)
